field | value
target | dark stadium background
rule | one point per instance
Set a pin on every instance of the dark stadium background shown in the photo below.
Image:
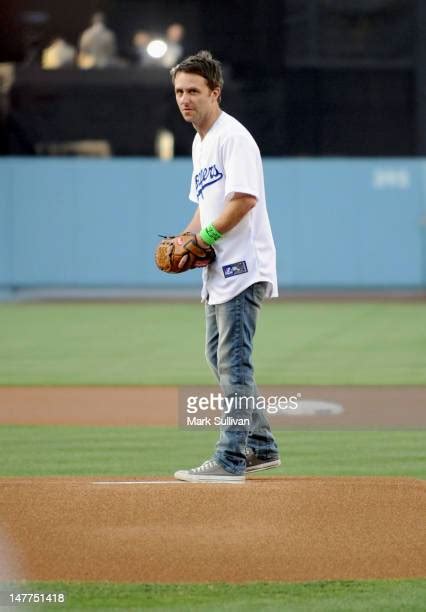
(308, 77)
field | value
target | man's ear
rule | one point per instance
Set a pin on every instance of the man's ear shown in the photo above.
(217, 93)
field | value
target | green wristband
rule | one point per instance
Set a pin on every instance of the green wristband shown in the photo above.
(209, 234)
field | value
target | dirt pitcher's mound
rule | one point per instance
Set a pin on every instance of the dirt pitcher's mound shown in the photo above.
(164, 531)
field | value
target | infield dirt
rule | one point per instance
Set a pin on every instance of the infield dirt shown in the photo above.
(282, 528)
(288, 529)
(362, 407)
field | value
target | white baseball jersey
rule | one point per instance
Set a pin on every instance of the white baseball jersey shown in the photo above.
(225, 162)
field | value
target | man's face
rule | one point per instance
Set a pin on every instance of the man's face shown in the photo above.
(194, 97)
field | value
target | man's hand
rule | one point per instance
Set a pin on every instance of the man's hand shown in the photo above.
(201, 242)
(177, 254)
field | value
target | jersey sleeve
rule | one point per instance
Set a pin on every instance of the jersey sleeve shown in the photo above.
(242, 165)
(192, 191)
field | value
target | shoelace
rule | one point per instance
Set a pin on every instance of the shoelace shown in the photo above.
(205, 466)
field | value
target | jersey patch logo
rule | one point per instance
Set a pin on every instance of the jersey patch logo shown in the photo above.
(206, 177)
(240, 267)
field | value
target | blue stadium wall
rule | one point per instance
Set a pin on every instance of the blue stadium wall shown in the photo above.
(337, 223)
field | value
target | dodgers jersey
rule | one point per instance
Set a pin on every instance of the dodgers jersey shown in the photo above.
(225, 162)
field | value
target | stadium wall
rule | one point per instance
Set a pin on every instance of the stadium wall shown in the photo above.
(337, 223)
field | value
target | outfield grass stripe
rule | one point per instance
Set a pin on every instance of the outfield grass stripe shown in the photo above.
(160, 451)
(325, 596)
(129, 344)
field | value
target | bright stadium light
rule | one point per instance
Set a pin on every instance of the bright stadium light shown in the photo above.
(157, 48)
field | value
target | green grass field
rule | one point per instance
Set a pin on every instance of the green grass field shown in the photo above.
(306, 343)
(130, 344)
(326, 596)
(151, 451)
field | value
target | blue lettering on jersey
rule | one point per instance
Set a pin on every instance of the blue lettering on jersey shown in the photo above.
(206, 177)
(240, 267)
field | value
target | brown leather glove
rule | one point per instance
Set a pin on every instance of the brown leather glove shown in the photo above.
(176, 254)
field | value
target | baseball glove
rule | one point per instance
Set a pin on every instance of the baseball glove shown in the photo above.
(176, 254)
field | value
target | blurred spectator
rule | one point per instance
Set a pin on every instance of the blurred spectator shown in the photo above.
(141, 40)
(58, 55)
(174, 35)
(98, 46)
(34, 35)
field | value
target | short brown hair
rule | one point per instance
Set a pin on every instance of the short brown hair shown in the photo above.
(204, 64)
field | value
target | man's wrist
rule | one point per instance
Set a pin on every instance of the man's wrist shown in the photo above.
(201, 241)
(209, 234)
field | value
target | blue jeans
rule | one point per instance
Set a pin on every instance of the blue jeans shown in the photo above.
(230, 328)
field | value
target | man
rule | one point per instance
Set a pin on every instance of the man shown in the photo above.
(97, 48)
(59, 54)
(174, 35)
(227, 186)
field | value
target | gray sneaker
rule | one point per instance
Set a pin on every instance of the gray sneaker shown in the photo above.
(255, 464)
(209, 471)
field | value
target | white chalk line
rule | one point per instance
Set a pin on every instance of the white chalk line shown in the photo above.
(156, 482)
(136, 482)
